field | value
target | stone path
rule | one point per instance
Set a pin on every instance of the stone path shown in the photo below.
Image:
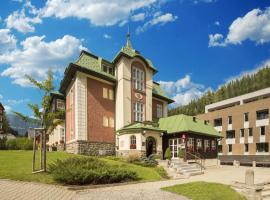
(16, 190)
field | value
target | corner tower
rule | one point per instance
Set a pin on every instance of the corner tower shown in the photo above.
(134, 75)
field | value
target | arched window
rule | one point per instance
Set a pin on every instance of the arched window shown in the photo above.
(138, 78)
(133, 142)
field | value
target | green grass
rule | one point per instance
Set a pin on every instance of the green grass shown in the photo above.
(205, 191)
(17, 165)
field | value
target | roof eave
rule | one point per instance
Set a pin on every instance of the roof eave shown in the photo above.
(163, 98)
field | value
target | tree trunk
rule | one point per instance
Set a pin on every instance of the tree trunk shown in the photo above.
(34, 153)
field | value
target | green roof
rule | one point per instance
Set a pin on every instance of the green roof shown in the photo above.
(184, 123)
(147, 125)
(93, 63)
(157, 90)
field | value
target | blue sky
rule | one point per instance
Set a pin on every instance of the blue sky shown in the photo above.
(195, 44)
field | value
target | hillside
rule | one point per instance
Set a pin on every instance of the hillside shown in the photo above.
(19, 125)
(246, 84)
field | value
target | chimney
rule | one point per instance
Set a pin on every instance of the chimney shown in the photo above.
(194, 119)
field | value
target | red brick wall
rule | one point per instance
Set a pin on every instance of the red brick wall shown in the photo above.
(154, 107)
(97, 107)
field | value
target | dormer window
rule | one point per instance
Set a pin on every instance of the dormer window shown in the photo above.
(138, 78)
(108, 69)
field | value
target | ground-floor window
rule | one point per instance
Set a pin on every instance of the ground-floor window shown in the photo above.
(246, 147)
(230, 148)
(133, 142)
(262, 147)
(190, 143)
(206, 145)
(199, 144)
(213, 145)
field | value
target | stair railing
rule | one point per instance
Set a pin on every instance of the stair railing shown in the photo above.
(198, 159)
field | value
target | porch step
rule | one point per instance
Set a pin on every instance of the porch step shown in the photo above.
(266, 192)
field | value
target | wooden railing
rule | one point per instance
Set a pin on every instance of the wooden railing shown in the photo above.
(197, 158)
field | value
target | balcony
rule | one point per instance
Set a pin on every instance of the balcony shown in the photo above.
(246, 124)
(250, 139)
(218, 128)
(262, 122)
(230, 127)
(230, 141)
(242, 140)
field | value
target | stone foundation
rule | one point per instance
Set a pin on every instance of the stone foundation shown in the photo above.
(91, 148)
(124, 153)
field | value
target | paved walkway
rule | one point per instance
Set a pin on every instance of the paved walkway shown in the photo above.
(17, 190)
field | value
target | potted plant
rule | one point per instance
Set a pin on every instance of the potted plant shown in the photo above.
(168, 156)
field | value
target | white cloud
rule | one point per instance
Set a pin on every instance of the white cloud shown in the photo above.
(158, 19)
(8, 109)
(21, 22)
(98, 12)
(254, 26)
(1, 96)
(7, 41)
(217, 23)
(216, 40)
(36, 56)
(138, 17)
(12, 102)
(183, 90)
(107, 36)
(203, 1)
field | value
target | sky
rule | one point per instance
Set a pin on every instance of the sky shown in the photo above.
(196, 45)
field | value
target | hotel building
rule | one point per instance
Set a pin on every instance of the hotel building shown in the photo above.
(244, 124)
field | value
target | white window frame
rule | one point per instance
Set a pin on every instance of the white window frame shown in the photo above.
(206, 144)
(60, 104)
(138, 77)
(138, 112)
(159, 110)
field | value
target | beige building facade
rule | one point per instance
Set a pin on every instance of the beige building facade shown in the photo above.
(244, 124)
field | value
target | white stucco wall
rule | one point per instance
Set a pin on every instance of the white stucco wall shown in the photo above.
(81, 106)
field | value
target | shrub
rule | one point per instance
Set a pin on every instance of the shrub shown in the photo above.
(133, 157)
(79, 171)
(147, 162)
(162, 172)
(3, 141)
(168, 154)
(181, 153)
(19, 144)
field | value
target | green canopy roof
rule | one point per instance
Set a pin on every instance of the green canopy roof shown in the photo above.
(93, 63)
(138, 126)
(184, 123)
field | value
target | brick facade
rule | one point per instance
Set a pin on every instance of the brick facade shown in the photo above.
(97, 108)
(155, 102)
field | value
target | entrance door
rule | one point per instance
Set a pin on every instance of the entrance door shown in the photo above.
(174, 145)
(150, 146)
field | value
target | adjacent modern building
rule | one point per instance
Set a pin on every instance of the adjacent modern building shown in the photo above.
(244, 124)
(115, 107)
(1, 117)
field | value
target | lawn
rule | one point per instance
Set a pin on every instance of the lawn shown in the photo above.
(17, 165)
(205, 191)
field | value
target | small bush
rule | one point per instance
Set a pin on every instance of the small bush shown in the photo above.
(181, 153)
(79, 171)
(3, 145)
(147, 162)
(133, 157)
(19, 144)
(168, 154)
(162, 172)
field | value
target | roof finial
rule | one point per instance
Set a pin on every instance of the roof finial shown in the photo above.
(128, 45)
